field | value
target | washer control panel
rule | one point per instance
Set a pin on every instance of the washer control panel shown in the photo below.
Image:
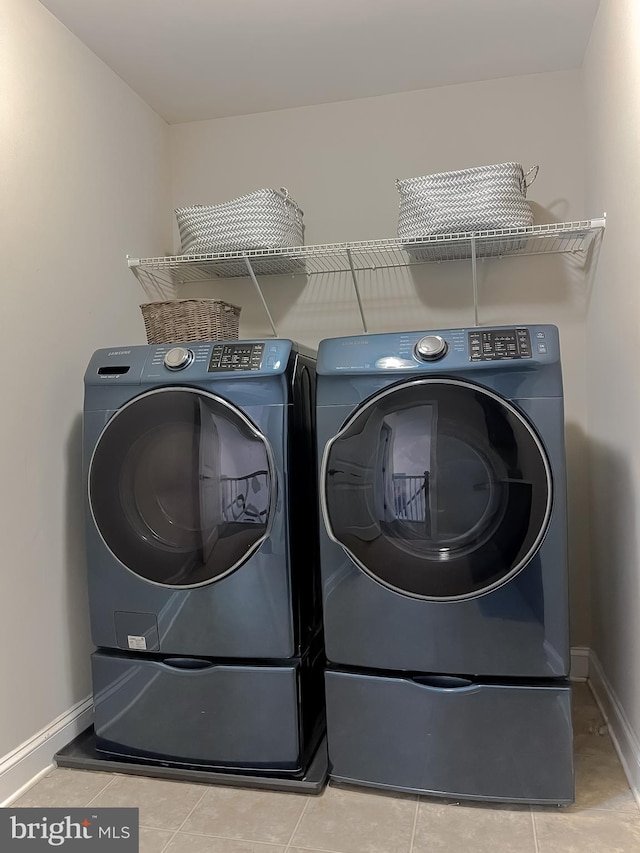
(244, 356)
(499, 344)
(200, 360)
(191, 362)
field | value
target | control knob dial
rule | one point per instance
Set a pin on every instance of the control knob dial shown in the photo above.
(431, 348)
(178, 358)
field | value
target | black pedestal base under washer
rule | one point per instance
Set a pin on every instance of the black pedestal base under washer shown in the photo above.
(81, 754)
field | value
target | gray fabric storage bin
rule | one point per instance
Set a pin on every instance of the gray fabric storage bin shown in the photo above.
(264, 219)
(484, 198)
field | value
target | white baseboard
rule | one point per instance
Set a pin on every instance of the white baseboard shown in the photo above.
(23, 766)
(624, 738)
(579, 663)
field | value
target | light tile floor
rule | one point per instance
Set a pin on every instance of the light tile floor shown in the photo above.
(178, 817)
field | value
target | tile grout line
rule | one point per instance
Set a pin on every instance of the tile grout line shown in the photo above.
(101, 791)
(229, 838)
(415, 825)
(166, 846)
(295, 828)
(606, 810)
(313, 850)
(535, 834)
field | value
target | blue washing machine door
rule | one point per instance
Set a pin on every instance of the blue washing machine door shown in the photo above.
(438, 489)
(181, 487)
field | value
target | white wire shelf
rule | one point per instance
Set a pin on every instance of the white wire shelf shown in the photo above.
(368, 254)
(161, 277)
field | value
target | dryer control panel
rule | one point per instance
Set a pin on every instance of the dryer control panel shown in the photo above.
(498, 344)
(441, 350)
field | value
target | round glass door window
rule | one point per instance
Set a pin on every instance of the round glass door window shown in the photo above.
(438, 489)
(181, 487)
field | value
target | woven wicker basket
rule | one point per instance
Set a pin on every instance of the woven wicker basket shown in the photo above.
(178, 320)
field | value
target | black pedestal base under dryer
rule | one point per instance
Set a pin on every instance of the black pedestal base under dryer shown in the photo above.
(444, 562)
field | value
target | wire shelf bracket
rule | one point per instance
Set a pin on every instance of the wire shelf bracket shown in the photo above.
(256, 284)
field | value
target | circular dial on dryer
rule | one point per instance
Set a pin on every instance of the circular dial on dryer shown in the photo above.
(431, 348)
(178, 358)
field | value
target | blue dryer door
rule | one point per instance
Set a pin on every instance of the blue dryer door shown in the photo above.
(437, 488)
(181, 487)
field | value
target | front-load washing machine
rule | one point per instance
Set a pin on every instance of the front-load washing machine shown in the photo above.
(201, 530)
(444, 562)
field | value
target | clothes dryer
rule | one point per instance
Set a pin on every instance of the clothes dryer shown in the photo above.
(202, 552)
(444, 562)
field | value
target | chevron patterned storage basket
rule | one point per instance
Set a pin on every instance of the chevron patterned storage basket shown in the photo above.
(178, 320)
(480, 199)
(265, 219)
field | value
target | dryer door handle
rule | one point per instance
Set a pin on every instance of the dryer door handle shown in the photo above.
(188, 663)
(444, 682)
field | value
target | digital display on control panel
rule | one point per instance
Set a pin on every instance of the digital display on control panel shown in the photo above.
(498, 344)
(236, 357)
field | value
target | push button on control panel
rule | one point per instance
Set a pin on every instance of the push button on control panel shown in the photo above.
(541, 342)
(431, 348)
(178, 358)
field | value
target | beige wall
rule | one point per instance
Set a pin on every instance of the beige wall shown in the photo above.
(340, 162)
(612, 85)
(83, 181)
